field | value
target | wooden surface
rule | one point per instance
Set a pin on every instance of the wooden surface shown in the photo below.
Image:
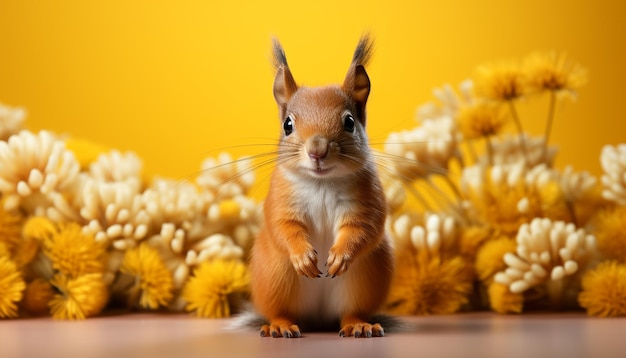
(481, 335)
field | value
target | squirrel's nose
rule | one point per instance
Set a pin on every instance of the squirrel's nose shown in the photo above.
(317, 147)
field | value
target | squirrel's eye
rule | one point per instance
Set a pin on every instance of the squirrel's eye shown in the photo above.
(348, 123)
(288, 125)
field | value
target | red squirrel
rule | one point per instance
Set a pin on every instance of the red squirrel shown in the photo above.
(325, 205)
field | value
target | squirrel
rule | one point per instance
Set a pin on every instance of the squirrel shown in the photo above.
(325, 204)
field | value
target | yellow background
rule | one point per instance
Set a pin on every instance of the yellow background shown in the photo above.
(177, 81)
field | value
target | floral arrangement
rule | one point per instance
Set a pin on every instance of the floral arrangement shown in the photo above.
(480, 219)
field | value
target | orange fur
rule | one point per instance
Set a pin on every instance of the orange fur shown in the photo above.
(325, 203)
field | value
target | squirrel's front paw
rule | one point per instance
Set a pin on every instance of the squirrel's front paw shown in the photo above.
(337, 263)
(306, 263)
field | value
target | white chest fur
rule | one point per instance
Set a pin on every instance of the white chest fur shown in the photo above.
(325, 204)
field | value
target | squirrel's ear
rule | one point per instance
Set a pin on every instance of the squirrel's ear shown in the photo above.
(284, 86)
(357, 86)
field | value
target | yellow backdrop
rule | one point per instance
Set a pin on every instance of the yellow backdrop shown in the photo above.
(177, 81)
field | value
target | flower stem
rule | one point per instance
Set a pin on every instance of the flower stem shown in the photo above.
(520, 130)
(544, 153)
(489, 146)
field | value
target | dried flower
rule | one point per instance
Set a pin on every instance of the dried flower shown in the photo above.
(33, 167)
(613, 160)
(78, 298)
(11, 287)
(502, 300)
(216, 287)
(11, 121)
(548, 253)
(609, 228)
(481, 119)
(37, 296)
(555, 72)
(74, 253)
(604, 290)
(152, 282)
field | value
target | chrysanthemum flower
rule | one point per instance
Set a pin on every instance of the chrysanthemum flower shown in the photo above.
(11, 287)
(433, 234)
(37, 296)
(554, 71)
(11, 121)
(502, 300)
(216, 287)
(471, 239)
(78, 298)
(490, 257)
(582, 193)
(39, 228)
(424, 285)
(33, 167)
(609, 228)
(74, 253)
(604, 290)
(152, 282)
(613, 160)
(549, 254)
(481, 119)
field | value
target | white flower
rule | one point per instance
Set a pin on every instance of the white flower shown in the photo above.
(34, 167)
(114, 167)
(114, 213)
(450, 102)
(11, 121)
(225, 178)
(613, 160)
(508, 151)
(576, 184)
(547, 253)
(424, 150)
(176, 202)
(432, 233)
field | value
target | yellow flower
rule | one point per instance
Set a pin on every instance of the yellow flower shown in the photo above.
(424, 286)
(471, 239)
(215, 288)
(481, 119)
(74, 253)
(79, 297)
(153, 284)
(37, 296)
(554, 71)
(610, 232)
(489, 259)
(503, 81)
(502, 300)
(10, 227)
(604, 290)
(11, 287)
(39, 228)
